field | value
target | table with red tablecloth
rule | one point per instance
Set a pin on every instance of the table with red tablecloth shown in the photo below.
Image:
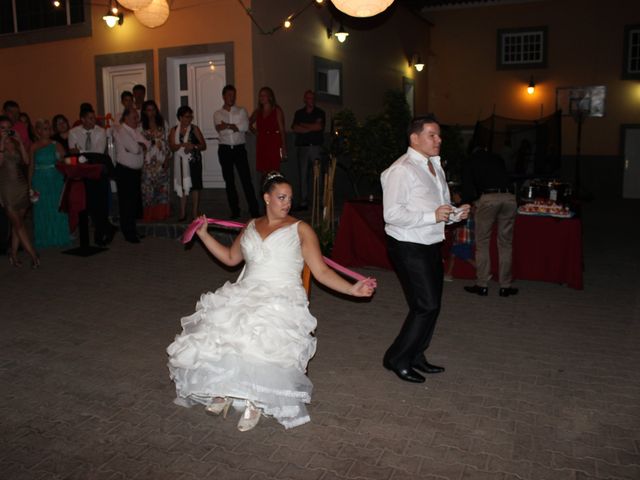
(544, 248)
(73, 201)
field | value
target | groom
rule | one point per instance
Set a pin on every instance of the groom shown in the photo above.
(417, 206)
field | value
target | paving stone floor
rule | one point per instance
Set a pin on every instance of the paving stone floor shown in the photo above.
(543, 385)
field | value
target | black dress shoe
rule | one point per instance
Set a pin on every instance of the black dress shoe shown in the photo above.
(426, 367)
(406, 374)
(505, 292)
(482, 291)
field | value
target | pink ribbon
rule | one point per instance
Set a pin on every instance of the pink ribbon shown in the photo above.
(188, 234)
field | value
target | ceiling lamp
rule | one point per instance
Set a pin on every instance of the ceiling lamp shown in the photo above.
(135, 4)
(153, 15)
(362, 8)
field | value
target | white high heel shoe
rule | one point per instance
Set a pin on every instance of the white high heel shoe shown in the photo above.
(219, 405)
(249, 418)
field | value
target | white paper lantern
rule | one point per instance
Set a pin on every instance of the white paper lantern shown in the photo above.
(362, 8)
(135, 4)
(154, 15)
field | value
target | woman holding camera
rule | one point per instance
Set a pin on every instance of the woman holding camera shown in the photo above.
(14, 191)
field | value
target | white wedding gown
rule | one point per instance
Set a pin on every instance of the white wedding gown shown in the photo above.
(251, 339)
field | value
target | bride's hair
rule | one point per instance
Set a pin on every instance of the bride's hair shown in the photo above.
(272, 179)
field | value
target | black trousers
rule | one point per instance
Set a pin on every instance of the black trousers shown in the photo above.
(98, 207)
(236, 155)
(129, 199)
(419, 268)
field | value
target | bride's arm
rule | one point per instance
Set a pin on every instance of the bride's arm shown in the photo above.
(323, 273)
(230, 256)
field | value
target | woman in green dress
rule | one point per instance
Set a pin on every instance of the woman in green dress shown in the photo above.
(50, 226)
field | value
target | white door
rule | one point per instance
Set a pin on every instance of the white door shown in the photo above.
(116, 80)
(197, 81)
(631, 182)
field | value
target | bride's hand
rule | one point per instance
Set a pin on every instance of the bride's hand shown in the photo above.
(364, 288)
(202, 229)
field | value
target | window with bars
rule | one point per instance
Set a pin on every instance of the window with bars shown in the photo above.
(31, 21)
(522, 48)
(631, 57)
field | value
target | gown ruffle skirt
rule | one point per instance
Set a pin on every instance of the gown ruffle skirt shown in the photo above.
(251, 339)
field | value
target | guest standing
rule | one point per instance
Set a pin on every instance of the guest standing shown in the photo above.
(267, 121)
(155, 172)
(139, 93)
(12, 110)
(232, 123)
(14, 190)
(187, 143)
(24, 118)
(90, 140)
(61, 129)
(50, 226)
(416, 206)
(308, 124)
(131, 148)
(486, 176)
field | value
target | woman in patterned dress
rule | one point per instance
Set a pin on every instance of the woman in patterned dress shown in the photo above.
(155, 171)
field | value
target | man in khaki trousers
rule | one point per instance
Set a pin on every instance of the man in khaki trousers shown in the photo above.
(495, 204)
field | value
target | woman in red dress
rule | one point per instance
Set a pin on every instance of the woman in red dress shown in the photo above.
(267, 122)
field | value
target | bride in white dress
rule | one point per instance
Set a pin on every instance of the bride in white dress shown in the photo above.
(249, 342)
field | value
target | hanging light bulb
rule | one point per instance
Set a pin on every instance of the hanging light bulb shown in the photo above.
(287, 23)
(112, 17)
(362, 8)
(531, 88)
(341, 34)
(56, 3)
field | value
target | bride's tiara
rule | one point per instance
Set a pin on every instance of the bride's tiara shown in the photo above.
(271, 175)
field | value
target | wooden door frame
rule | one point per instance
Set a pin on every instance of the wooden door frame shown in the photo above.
(208, 48)
(125, 58)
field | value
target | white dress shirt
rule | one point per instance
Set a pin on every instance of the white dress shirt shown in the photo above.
(128, 150)
(78, 139)
(410, 197)
(237, 116)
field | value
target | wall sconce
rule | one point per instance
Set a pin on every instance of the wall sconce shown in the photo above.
(531, 88)
(416, 62)
(341, 35)
(113, 17)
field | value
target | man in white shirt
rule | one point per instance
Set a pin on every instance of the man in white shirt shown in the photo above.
(232, 123)
(417, 206)
(131, 147)
(90, 140)
(87, 137)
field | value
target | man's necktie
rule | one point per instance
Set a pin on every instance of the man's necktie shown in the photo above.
(87, 142)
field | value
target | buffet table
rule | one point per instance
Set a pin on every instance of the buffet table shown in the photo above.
(544, 248)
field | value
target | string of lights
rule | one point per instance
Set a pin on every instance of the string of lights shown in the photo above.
(286, 23)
